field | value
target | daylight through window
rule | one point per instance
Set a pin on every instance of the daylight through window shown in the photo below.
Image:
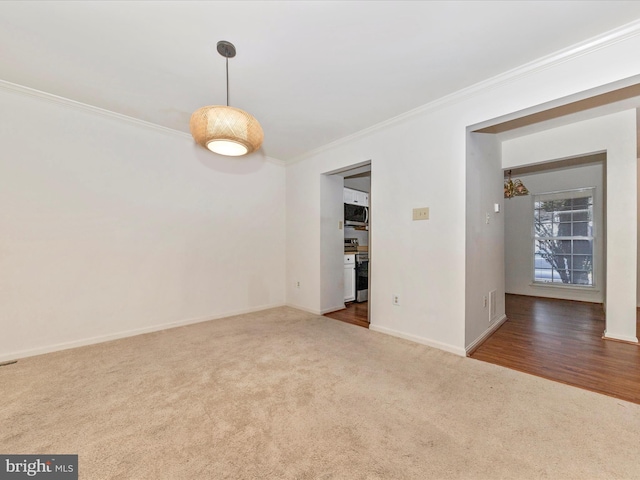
(563, 237)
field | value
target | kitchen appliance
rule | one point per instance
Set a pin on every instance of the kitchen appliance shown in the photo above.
(362, 277)
(350, 245)
(356, 215)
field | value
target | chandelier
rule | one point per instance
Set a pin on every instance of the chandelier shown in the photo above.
(223, 129)
(514, 188)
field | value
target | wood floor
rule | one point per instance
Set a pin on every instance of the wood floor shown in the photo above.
(562, 340)
(355, 313)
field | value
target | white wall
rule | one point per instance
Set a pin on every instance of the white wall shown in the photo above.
(408, 255)
(420, 161)
(518, 213)
(332, 243)
(109, 228)
(484, 237)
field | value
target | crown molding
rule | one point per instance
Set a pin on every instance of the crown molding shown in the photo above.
(593, 44)
(49, 97)
(275, 161)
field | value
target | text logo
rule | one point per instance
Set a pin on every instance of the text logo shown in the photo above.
(50, 467)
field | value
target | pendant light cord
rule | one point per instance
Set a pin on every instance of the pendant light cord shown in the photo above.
(227, 81)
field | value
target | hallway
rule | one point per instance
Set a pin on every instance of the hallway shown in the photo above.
(562, 340)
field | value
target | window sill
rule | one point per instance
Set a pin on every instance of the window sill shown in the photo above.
(563, 286)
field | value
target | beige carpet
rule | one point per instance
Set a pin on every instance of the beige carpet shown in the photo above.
(286, 394)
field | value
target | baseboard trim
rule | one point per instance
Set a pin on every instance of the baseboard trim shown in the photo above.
(620, 338)
(128, 333)
(487, 333)
(424, 341)
(305, 309)
(332, 309)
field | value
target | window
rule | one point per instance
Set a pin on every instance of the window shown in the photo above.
(563, 237)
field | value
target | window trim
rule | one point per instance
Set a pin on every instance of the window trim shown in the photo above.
(593, 236)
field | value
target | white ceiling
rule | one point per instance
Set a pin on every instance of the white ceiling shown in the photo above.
(312, 72)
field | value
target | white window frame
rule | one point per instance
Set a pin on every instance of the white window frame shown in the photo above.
(561, 195)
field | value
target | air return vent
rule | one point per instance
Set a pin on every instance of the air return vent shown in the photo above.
(492, 305)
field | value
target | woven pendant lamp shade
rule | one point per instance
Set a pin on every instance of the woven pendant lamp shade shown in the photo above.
(226, 130)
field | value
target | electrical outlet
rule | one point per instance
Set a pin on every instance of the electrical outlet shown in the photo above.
(395, 299)
(484, 301)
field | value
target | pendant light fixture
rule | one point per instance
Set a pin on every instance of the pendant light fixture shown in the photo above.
(223, 129)
(514, 189)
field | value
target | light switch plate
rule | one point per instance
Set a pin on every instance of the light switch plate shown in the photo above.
(421, 213)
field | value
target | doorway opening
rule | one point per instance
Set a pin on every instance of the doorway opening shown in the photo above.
(555, 293)
(555, 282)
(555, 237)
(346, 204)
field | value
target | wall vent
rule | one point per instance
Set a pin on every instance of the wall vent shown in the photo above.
(492, 305)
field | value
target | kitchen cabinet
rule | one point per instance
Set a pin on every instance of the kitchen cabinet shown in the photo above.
(348, 196)
(349, 277)
(356, 197)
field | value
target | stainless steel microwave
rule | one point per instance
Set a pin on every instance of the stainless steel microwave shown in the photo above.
(356, 215)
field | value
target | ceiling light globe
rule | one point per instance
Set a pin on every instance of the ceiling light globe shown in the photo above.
(226, 130)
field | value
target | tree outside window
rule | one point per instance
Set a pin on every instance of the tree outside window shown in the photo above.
(563, 237)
